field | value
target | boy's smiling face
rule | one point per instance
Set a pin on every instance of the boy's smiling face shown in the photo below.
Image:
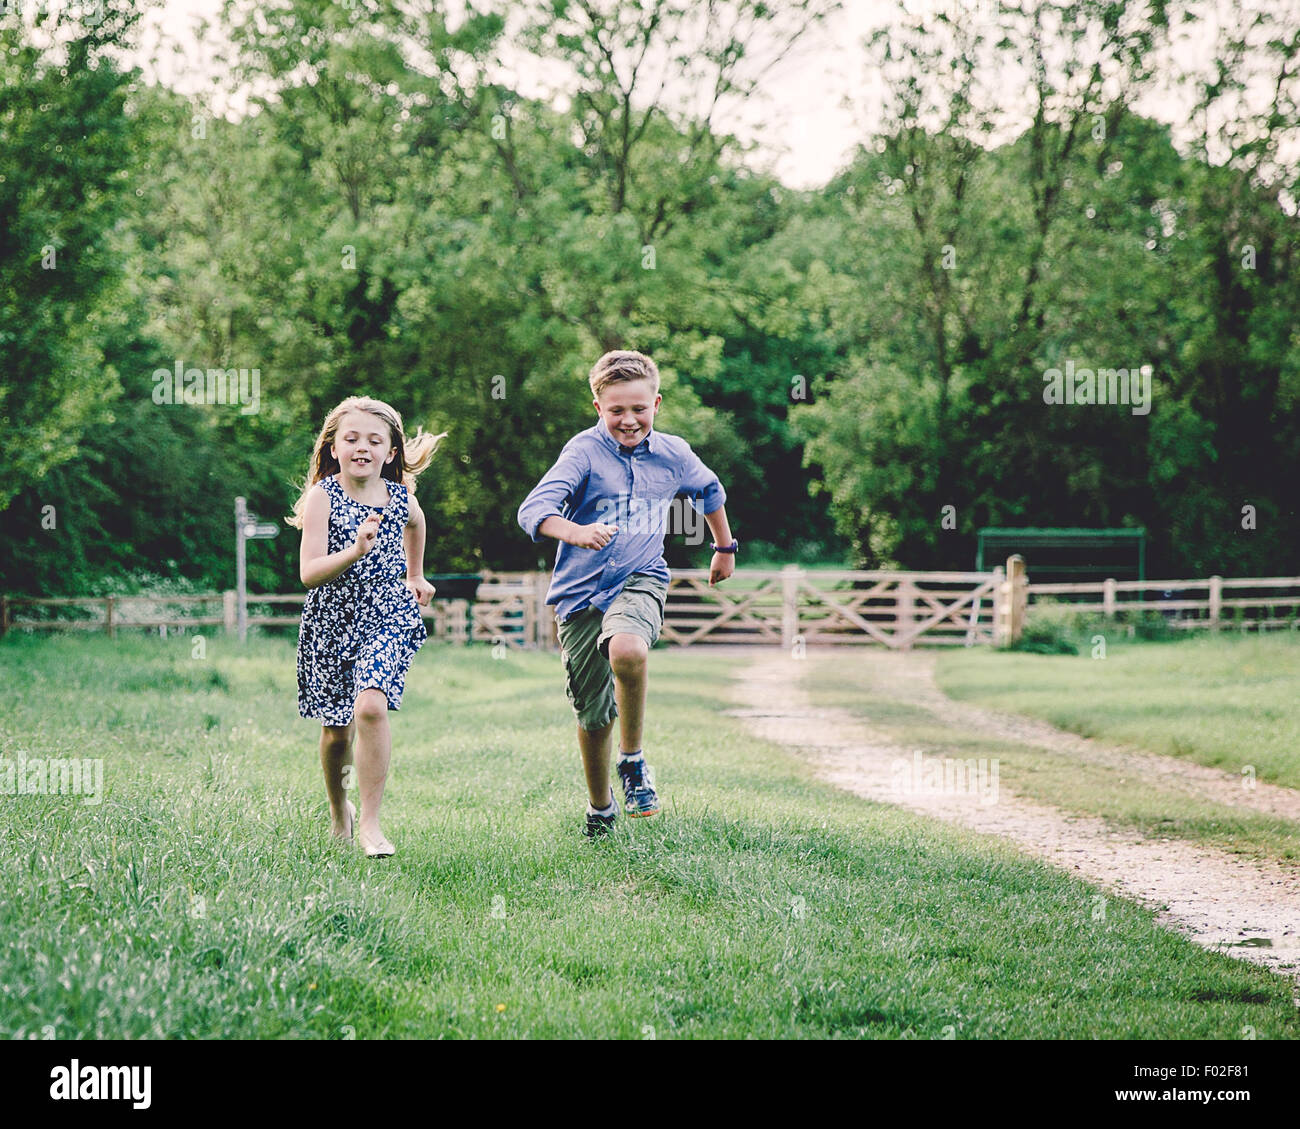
(627, 409)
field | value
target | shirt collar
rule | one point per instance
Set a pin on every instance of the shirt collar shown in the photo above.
(603, 432)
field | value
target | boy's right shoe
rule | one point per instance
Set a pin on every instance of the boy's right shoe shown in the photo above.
(639, 798)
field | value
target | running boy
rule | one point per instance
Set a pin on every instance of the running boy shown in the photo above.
(606, 500)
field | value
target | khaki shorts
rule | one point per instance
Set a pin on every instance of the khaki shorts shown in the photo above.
(584, 645)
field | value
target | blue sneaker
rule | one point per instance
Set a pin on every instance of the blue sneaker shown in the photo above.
(639, 797)
(598, 825)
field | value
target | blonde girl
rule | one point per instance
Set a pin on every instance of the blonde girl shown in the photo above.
(362, 561)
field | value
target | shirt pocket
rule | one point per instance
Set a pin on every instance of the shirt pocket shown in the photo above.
(652, 499)
(606, 497)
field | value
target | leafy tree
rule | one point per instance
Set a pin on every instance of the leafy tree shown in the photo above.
(64, 155)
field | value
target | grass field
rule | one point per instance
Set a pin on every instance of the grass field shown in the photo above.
(1228, 702)
(202, 897)
(1225, 701)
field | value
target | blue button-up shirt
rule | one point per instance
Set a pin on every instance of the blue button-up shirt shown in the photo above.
(597, 479)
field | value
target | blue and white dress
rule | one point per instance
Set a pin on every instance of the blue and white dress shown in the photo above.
(362, 628)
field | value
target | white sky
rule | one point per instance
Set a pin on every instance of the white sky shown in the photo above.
(813, 109)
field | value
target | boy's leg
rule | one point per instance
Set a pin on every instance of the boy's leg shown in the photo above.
(593, 744)
(335, 756)
(588, 684)
(627, 658)
(629, 629)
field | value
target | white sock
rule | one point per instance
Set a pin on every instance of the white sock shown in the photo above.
(613, 807)
(626, 758)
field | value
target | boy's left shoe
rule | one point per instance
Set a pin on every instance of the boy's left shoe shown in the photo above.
(600, 825)
(639, 797)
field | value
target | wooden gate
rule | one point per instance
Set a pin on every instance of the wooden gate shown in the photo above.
(895, 609)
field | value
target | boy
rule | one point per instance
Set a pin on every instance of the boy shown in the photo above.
(606, 501)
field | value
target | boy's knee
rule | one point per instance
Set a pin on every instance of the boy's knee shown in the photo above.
(627, 654)
(371, 706)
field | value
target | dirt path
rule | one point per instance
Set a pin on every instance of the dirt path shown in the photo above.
(1216, 899)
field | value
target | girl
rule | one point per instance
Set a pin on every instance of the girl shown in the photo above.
(363, 562)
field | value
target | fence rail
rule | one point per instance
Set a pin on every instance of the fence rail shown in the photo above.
(1173, 600)
(789, 607)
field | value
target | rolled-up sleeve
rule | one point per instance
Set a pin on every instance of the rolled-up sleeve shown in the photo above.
(552, 495)
(700, 484)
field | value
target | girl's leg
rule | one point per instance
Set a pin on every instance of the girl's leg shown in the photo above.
(335, 756)
(374, 748)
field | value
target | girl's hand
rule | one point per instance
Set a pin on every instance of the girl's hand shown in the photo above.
(367, 531)
(594, 536)
(421, 589)
(721, 567)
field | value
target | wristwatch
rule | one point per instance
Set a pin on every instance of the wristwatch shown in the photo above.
(725, 548)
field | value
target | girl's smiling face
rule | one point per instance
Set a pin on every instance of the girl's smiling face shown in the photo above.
(627, 408)
(362, 444)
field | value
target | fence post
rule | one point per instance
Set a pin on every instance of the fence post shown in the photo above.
(229, 615)
(4, 616)
(1019, 595)
(995, 603)
(1012, 602)
(108, 616)
(528, 606)
(545, 620)
(457, 621)
(1216, 601)
(904, 615)
(790, 576)
(1002, 612)
(1108, 598)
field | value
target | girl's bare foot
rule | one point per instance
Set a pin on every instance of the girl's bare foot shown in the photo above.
(342, 829)
(375, 843)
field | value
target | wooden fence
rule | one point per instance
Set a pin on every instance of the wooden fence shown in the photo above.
(790, 607)
(1213, 604)
(509, 610)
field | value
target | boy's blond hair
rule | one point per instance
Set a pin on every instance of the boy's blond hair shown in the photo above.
(620, 365)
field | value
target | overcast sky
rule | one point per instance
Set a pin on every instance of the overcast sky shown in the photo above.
(802, 125)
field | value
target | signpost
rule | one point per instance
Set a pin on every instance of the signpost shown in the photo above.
(247, 528)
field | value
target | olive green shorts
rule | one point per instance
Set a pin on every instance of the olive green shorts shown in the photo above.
(584, 645)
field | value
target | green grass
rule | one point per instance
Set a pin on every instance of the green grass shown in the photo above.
(201, 898)
(1156, 682)
(1226, 701)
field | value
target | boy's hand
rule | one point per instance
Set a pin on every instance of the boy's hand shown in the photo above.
(367, 531)
(721, 567)
(594, 536)
(421, 589)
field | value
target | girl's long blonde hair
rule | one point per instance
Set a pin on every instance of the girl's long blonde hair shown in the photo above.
(413, 456)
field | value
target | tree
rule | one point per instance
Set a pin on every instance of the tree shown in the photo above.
(65, 152)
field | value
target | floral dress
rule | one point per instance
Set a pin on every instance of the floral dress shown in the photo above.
(362, 628)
